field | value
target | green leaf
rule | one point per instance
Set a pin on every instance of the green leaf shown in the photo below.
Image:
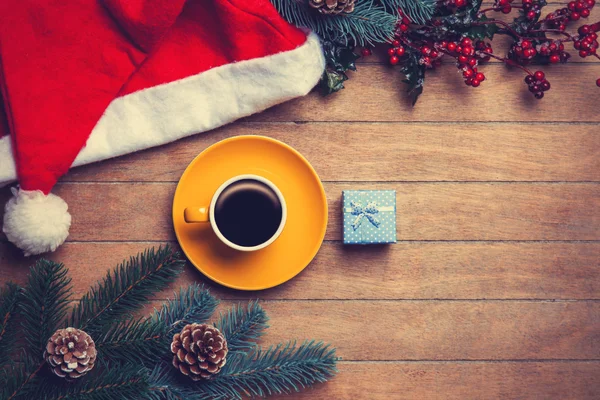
(9, 296)
(482, 31)
(339, 58)
(415, 74)
(126, 289)
(242, 326)
(43, 304)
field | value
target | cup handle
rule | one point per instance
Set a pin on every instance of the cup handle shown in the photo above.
(195, 214)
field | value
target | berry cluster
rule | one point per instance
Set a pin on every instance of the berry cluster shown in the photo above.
(430, 56)
(531, 9)
(467, 58)
(538, 84)
(522, 51)
(572, 12)
(395, 52)
(554, 51)
(587, 43)
(503, 5)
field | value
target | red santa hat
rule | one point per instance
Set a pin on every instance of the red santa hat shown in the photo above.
(84, 81)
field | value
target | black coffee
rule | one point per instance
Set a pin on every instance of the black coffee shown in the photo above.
(248, 212)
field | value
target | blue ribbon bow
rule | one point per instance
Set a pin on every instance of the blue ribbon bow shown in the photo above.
(367, 212)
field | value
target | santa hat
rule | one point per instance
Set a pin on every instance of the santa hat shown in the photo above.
(84, 81)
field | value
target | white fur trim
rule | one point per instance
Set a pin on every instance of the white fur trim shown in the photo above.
(36, 223)
(195, 104)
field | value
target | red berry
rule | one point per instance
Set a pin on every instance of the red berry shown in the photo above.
(468, 73)
(480, 77)
(451, 46)
(394, 60)
(400, 51)
(472, 62)
(460, 3)
(575, 16)
(396, 43)
(462, 59)
(562, 27)
(598, 83)
(571, 6)
(577, 44)
(489, 50)
(366, 52)
(539, 75)
(583, 53)
(444, 44)
(579, 5)
(403, 27)
(475, 83)
(545, 86)
(506, 9)
(585, 13)
(434, 54)
(425, 50)
(466, 42)
(391, 51)
(538, 95)
(552, 47)
(531, 15)
(526, 44)
(529, 79)
(554, 59)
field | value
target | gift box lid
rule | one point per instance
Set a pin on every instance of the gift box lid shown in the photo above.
(369, 216)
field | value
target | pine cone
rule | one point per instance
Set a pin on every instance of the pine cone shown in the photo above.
(71, 353)
(332, 6)
(200, 351)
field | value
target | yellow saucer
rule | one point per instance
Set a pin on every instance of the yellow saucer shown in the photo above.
(306, 204)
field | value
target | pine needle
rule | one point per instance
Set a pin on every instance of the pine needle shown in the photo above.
(281, 369)
(193, 304)
(43, 304)
(418, 11)
(243, 325)
(367, 24)
(9, 296)
(126, 289)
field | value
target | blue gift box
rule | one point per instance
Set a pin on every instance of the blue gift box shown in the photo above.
(369, 216)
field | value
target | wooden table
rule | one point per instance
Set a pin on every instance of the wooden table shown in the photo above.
(493, 288)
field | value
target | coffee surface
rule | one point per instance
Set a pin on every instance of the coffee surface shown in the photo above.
(248, 212)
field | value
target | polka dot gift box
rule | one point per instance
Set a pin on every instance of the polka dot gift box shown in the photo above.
(369, 216)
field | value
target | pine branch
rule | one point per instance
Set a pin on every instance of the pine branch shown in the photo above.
(135, 340)
(367, 24)
(43, 304)
(18, 380)
(126, 289)
(280, 369)
(9, 297)
(243, 325)
(418, 11)
(121, 382)
(166, 385)
(193, 304)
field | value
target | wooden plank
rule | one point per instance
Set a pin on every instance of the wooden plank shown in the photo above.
(389, 330)
(417, 270)
(459, 381)
(438, 211)
(391, 152)
(378, 94)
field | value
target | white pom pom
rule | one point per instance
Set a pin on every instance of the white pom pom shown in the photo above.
(36, 223)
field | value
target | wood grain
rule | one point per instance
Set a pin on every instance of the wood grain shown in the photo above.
(460, 381)
(376, 93)
(438, 211)
(417, 270)
(441, 330)
(393, 152)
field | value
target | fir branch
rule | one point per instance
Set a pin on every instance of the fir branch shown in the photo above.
(122, 382)
(126, 289)
(166, 385)
(18, 380)
(141, 340)
(43, 304)
(9, 297)
(241, 326)
(193, 304)
(367, 24)
(281, 369)
(418, 11)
